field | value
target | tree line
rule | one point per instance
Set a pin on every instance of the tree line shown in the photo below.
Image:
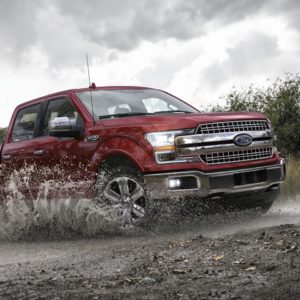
(280, 102)
(2, 134)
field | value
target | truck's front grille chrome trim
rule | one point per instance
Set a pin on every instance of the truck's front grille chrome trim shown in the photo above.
(237, 155)
(233, 126)
(215, 143)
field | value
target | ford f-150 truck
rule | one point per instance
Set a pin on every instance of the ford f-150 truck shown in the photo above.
(134, 146)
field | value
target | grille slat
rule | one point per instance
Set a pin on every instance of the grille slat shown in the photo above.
(233, 126)
(237, 155)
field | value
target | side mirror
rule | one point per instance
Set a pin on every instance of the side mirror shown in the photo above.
(64, 127)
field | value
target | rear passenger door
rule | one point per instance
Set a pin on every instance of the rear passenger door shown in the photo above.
(62, 162)
(18, 152)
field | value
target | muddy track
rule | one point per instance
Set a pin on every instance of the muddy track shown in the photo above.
(215, 258)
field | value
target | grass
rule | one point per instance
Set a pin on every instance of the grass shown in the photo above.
(291, 185)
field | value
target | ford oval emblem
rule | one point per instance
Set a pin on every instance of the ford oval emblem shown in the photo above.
(243, 140)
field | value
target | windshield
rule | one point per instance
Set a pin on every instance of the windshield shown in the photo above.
(122, 103)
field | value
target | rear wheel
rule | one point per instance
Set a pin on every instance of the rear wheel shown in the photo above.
(122, 189)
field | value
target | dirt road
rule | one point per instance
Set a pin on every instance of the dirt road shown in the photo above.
(216, 258)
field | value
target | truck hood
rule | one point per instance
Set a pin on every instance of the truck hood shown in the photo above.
(179, 121)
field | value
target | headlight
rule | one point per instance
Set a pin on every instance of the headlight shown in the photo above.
(163, 144)
(162, 140)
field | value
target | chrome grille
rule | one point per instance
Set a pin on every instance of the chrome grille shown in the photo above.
(237, 155)
(234, 126)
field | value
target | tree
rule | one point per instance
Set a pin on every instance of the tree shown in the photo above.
(2, 134)
(280, 102)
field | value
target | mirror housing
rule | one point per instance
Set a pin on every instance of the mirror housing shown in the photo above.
(64, 127)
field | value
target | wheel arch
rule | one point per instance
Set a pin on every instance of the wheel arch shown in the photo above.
(116, 159)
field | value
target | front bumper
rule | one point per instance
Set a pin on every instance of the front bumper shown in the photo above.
(216, 184)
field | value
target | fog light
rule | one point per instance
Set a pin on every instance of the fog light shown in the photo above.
(165, 156)
(174, 183)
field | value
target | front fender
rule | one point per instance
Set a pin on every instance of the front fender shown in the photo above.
(140, 154)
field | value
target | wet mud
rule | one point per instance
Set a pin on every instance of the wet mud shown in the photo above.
(228, 257)
(70, 249)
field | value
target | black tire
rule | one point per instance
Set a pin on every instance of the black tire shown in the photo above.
(123, 189)
(269, 198)
(259, 202)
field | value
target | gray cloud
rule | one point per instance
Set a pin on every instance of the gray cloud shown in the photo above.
(288, 8)
(250, 56)
(66, 28)
(63, 30)
(43, 43)
(123, 24)
(18, 24)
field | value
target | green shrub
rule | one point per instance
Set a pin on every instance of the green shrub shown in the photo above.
(2, 134)
(291, 186)
(280, 102)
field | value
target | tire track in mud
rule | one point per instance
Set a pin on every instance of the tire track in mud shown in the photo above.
(218, 257)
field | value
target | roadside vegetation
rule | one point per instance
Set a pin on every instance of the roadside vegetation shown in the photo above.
(280, 102)
(2, 134)
(291, 186)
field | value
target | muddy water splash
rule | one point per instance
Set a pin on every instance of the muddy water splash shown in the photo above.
(59, 217)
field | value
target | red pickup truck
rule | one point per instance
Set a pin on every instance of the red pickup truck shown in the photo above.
(135, 146)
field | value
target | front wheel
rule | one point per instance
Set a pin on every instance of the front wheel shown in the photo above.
(122, 189)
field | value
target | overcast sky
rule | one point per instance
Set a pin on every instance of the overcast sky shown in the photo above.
(195, 49)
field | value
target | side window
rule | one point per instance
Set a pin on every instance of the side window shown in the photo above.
(61, 108)
(25, 123)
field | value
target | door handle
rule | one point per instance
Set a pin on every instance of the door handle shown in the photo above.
(6, 157)
(39, 152)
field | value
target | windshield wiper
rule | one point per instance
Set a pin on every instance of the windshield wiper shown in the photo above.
(132, 114)
(171, 112)
(124, 115)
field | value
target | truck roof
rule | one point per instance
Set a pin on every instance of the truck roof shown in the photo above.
(116, 87)
(119, 87)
